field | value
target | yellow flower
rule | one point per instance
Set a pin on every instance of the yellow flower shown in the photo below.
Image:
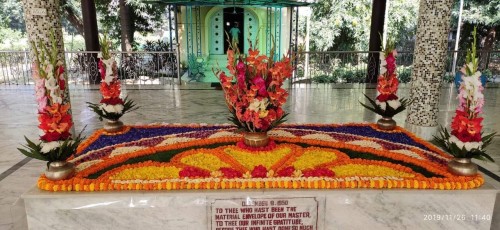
(263, 113)
(205, 161)
(147, 173)
(313, 157)
(368, 170)
(265, 158)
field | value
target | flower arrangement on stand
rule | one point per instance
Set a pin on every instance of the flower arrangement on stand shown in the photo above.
(254, 93)
(56, 143)
(466, 139)
(111, 106)
(387, 104)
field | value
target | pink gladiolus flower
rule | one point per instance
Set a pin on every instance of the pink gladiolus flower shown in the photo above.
(36, 72)
(462, 70)
(259, 82)
(391, 64)
(102, 70)
(42, 103)
(240, 67)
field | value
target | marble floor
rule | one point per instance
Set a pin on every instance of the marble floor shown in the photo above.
(188, 104)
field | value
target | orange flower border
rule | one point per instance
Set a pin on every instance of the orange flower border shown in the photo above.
(81, 183)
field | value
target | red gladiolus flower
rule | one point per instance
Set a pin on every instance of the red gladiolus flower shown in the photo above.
(55, 118)
(110, 91)
(279, 113)
(386, 97)
(55, 136)
(265, 124)
(60, 70)
(230, 173)
(112, 101)
(286, 172)
(62, 84)
(259, 172)
(466, 129)
(387, 85)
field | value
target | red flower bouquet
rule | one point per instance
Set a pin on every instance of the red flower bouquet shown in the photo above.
(465, 139)
(54, 114)
(253, 89)
(387, 103)
(111, 106)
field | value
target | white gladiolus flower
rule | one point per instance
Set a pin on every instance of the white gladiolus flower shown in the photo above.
(49, 146)
(112, 108)
(99, 55)
(456, 141)
(51, 84)
(382, 70)
(477, 75)
(258, 105)
(394, 103)
(109, 70)
(119, 108)
(382, 105)
(55, 97)
(472, 145)
(470, 66)
(467, 145)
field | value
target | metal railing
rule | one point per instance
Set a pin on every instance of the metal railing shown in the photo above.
(139, 68)
(162, 68)
(353, 66)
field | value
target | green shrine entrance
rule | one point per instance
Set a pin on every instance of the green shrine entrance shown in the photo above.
(203, 25)
(223, 20)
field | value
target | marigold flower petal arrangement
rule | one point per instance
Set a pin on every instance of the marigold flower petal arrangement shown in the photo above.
(466, 139)
(387, 103)
(56, 143)
(253, 89)
(111, 106)
(172, 157)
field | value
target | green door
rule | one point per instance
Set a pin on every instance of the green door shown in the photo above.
(216, 33)
(251, 29)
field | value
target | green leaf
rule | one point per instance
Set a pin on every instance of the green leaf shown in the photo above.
(485, 155)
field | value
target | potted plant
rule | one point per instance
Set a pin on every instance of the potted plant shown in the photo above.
(56, 143)
(466, 139)
(111, 107)
(254, 92)
(387, 104)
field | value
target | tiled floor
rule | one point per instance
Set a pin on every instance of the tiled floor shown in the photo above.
(187, 104)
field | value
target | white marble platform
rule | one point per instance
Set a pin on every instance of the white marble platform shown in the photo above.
(193, 210)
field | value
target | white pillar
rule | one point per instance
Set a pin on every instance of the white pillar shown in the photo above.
(428, 66)
(42, 18)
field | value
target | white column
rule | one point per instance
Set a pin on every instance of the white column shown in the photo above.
(43, 17)
(428, 66)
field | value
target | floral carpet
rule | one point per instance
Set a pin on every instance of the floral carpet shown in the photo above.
(173, 157)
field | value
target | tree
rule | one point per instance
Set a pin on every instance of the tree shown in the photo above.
(345, 24)
(11, 15)
(485, 15)
(339, 24)
(72, 13)
(122, 18)
(402, 18)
